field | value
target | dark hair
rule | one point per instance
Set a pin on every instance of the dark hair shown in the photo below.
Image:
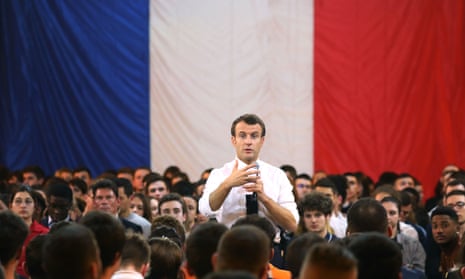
(455, 193)
(172, 222)
(290, 169)
(68, 252)
(313, 201)
(23, 188)
(60, 190)
(367, 215)
(230, 274)
(201, 245)
(443, 210)
(260, 222)
(378, 256)
(165, 259)
(127, 170)
(125, 184)
(36, 170)
(393, 200)
(81, 169)
(297, 249)
(109, 233)
(326, 183)
(304, 176)
(105, 184)
(145, 205)
(172, 197)
(81, 184)
(332, 257)
(136, 251)
(13, 232)
(154, 177)
(249, 119)
(34, 259)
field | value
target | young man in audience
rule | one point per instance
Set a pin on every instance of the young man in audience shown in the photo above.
(245, 248)
(59, 200)
(71, 252)
(329, 261)
(110, 236)
(139, 174)
(84, 174)
(134, 258)
(13, 232)
(33, 175)
(173, 204)
(156, 186)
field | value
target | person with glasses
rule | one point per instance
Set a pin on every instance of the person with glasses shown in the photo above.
(456, 201)
(302, 186)
(22, 203)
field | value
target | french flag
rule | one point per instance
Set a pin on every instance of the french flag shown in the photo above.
(342, 85)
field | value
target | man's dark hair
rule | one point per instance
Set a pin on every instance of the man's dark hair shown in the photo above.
(105, 184)
(249, 119)
(136, 251)
(201, 245)
(109, 233)
(36, 170)
(81, 184)
(125, 184)
(81, 169)
(260, 222)
(13, 232)
(455, 193)
(69, 252)
(315, 201)
(230, 274)
(127, 170)
(60, 190)
(170, 221)
(304, 176)
(34, 259)
(290, 169)
(298, 248)
(165, 258)
(378, 256)
(331, 256)
(326, 183)
(443, 210)
(367, 215)
(154, 177)
(340, 181)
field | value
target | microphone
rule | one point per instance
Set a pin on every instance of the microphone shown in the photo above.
(251, 201)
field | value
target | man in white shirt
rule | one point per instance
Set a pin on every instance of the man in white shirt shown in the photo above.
(226, 188)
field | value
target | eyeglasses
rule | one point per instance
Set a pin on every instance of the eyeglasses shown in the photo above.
(308, 186)
(458, 205)
(20, 201)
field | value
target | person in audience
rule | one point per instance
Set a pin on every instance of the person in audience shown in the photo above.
(134, 258)
(297, 249)
(110, 236)
(354, 188)
(338, 221)
(267, 227)
(139, 174)
(165, 259)
(413, 254)
(302, 186)
(377, 256)
(200, 247)
(445, 229)
(456, 200)
(22, 203)
(153, 207)
(329, 261)
(79, 188)
(290, 172)
(317, 175)
(156, 186)
(192, 212)
(64, 173)
(33, 264)
(226, 187)
(230, 274)
(172, 222)
(127, 173)
(139, 204)
(33, 175)
(173, 204)
(60, 201)
(245, 248)
(124, 192)
(71, 252)
(84, 174)
(404, 180)
(315, 212)
(106, 199)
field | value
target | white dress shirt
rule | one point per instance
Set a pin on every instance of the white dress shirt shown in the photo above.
(275, 185)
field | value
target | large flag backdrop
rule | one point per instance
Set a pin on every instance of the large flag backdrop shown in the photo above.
(386, 92)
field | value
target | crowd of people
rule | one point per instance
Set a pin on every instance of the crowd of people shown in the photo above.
(247, 219)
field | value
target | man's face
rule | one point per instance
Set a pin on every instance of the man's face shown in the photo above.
(84, 175)
(405, 211)
(247, 141)
(30, 178)
(191, 205)
(402, 183)
(123, 199)
(139, 175)
(173, 208)
(58, 208)
(457, 203)
(157, 189)
(316, 221)
(354, 190)
(106, 201)
(444, 229)
(392, 215)
(302, 186)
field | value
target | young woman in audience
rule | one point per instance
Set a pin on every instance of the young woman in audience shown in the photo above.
(140, 205)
